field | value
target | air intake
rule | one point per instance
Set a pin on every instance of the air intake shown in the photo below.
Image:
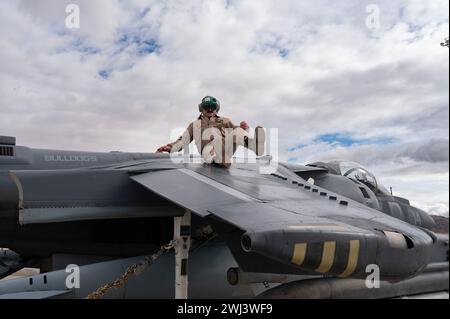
(6, 151)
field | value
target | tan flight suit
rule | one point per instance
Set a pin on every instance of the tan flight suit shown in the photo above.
(216, 138)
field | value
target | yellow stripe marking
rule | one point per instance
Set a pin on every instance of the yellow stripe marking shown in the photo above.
(299, 254)
(329, 249)
(352, 259)
(16, 180)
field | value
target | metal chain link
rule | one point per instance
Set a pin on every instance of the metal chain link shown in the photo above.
(133, 270)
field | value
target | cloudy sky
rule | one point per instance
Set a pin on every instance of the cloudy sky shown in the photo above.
(359, 80)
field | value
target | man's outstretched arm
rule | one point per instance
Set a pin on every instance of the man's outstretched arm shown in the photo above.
(243, 125)
(184, 140)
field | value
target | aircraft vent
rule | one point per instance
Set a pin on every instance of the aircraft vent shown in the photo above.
(6, 151)
(364, 192)
(7, 140)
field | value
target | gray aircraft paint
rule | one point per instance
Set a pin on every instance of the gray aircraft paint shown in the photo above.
(281, 200)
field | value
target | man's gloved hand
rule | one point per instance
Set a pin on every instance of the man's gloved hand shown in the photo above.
(165, 148)
(244, 125)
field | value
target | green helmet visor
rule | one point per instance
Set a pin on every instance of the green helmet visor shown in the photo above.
(210, 103)
(209, 106)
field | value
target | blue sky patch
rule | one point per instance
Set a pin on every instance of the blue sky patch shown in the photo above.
(273, 45)
(141, 45)
(148, 47)
(296, 147)
(228, 3)
(345, 140)
(89, 50)
(105, 73)
(79, 45)
(283, 53)
(143, 13)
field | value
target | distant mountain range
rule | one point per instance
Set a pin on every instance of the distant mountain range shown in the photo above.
(441, 224)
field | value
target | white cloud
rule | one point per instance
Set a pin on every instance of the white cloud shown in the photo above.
(305, 69)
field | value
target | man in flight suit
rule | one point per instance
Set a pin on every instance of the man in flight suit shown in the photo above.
(216, 137)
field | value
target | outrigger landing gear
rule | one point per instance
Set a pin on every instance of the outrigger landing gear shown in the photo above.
(182, 236)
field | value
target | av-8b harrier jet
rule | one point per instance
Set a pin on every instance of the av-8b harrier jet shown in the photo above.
(264, 229)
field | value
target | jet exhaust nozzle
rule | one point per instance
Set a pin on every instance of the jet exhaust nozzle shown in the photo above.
(246, 243)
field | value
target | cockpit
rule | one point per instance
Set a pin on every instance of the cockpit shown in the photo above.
(354, 171)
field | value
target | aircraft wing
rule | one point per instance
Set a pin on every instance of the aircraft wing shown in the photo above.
(299, 226)
(86, 194)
